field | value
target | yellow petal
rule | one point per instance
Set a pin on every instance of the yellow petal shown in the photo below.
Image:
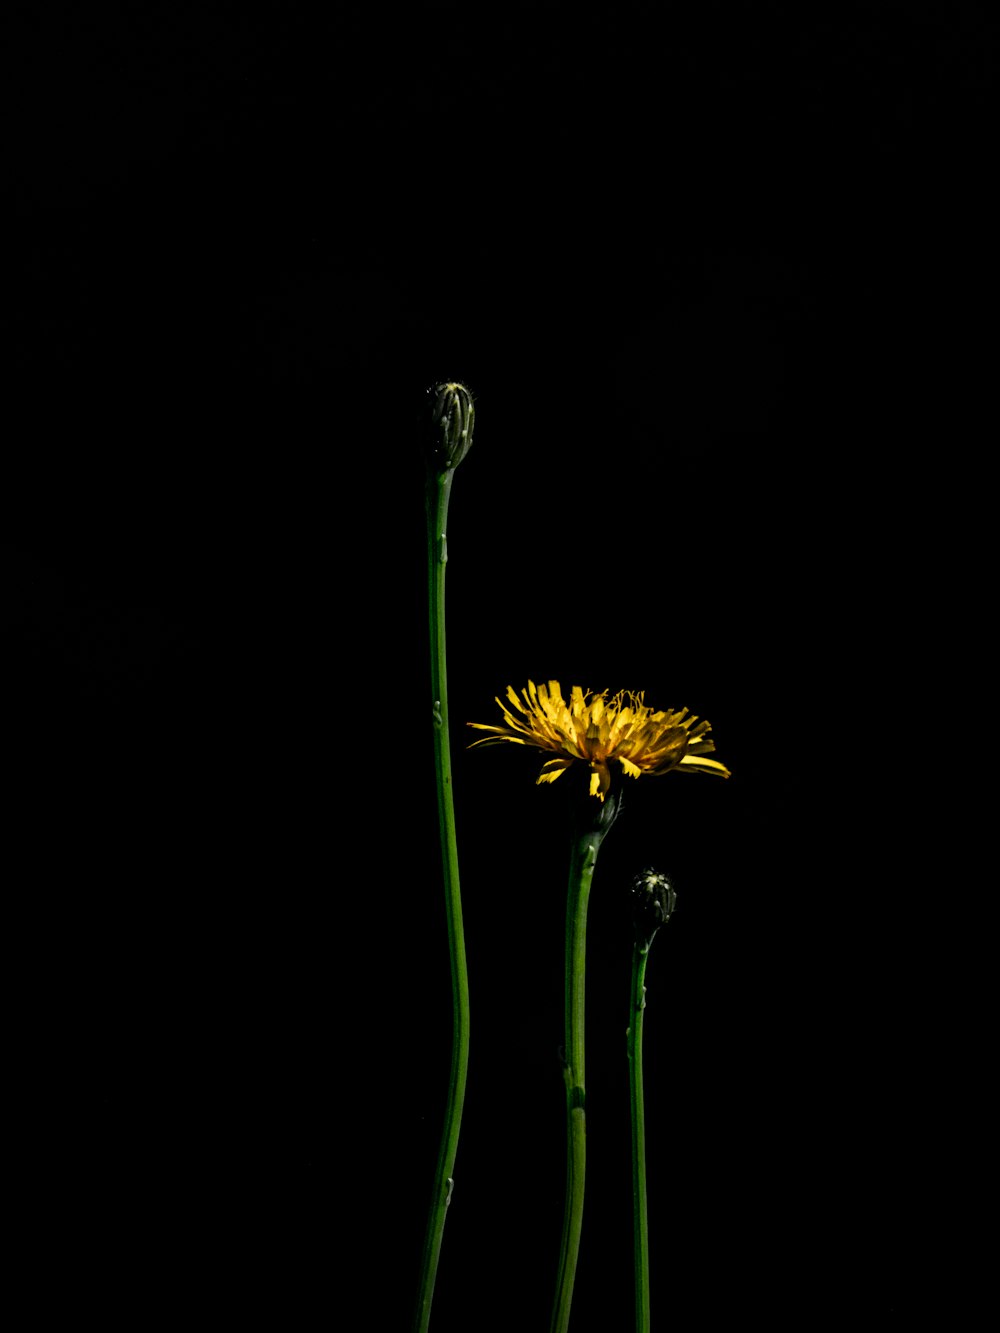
(695, 763)
(498, 740)
(512, 696)
(600, 780)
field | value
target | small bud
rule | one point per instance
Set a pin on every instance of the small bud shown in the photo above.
(653, 900)
(452, 416)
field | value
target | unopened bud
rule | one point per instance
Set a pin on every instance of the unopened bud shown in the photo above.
(452, 416)
(653, 900)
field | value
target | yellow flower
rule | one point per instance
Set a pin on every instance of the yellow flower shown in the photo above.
(597, 731)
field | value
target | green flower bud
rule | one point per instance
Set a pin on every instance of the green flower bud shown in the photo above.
(452, 416)
(653, 900)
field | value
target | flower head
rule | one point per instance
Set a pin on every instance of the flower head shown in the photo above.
(598, 731)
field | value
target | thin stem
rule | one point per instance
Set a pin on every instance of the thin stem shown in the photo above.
(438, 495)
(640, 1230)
(581, 871)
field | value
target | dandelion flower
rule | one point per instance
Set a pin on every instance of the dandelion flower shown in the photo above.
(598, 731)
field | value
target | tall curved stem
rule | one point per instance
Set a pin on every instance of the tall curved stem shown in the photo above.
(438, 496)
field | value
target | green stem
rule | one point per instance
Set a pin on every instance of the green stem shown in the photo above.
(581, 871)
(640, 1230)
(438, 495)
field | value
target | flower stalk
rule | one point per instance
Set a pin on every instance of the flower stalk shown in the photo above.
(586, 842)
(653, 901)
(452, 417)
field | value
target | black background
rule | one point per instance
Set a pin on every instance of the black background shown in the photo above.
(715, 283)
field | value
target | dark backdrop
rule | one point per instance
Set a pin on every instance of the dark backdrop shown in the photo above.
(713, 284)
